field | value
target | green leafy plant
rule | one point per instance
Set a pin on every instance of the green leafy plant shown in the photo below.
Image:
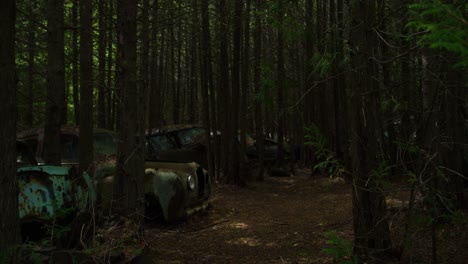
(445, 26)
(340, 249)
(326, 159)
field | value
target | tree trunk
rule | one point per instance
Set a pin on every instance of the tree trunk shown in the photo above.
(110, 60)
(144, 61)
(193, 91)
(371, 231)
(280, 83)
(31, 66)
(257, 85)
(102, 36)
(9, 218)
(75, 62)
(128, 191)
(86, 88)
(224, 88)
(234, 171)
(154, 113)
(206, 70)
(172, 78)
(56, 101)
(245, 83)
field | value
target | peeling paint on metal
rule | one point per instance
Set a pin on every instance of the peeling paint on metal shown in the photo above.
(45, 189)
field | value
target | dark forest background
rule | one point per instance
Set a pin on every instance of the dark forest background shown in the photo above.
(371, 91)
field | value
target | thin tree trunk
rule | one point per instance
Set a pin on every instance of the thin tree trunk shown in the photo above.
(110, 55)
(257, 85)
(86, 88)
(144, 60)
(245, 82)
(128, 191)
(173, 85)
(205, 47)
(75, 62)
(178, 85)
(224, 89)
(56, 102)
(234, 173)
(193, 91)
(31, 67)
(154, 112)
(280, 83)
(101, 104)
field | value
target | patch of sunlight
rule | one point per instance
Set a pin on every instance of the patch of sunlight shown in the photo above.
(243, 241)
(271, 244)
(234, 225)
(239, 225)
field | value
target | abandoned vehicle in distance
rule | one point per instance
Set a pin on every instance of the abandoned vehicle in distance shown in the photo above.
(174, 189)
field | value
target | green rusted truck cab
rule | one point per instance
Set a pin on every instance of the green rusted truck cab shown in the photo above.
(43, 190)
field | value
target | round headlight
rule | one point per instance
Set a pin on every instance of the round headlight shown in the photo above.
(190, 182)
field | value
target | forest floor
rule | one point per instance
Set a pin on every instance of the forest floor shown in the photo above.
(280, 220)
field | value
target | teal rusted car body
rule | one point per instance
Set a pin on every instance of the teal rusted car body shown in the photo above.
(43, 190)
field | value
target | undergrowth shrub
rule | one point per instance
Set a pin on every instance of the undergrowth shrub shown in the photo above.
(340, 249)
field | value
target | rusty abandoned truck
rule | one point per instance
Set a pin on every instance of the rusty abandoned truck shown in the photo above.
(174, 189)
(45, 190)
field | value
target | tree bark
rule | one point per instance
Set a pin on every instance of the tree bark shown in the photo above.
(9, 218)
(144, 61)
(234, 171)
(206, 71)
(224, 88)
(280, 84)
(31, 66)
(371, 230)
(110, 61)
(154, 112)
(128, 191)
(75, 62)
(56, 101)
(245, 85)
(101, 83)
(86, 87)
(257, 86)
(193, 91)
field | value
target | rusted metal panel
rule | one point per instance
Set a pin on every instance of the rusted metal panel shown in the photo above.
(45, 189)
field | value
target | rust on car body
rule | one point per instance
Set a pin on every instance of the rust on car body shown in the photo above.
(45, 189)
(167, 181)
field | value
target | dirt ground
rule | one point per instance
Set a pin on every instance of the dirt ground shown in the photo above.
(280, 220)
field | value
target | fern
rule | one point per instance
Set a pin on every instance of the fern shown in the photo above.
(445, 25)
(341, 250)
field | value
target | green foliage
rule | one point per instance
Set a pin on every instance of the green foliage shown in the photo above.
(322, 63)
(326, 158)
(446, 26)
(340, 249)
(265, 95)
(54, 227)
(25, 253)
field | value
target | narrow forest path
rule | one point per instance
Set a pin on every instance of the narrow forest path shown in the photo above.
(281, 220)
